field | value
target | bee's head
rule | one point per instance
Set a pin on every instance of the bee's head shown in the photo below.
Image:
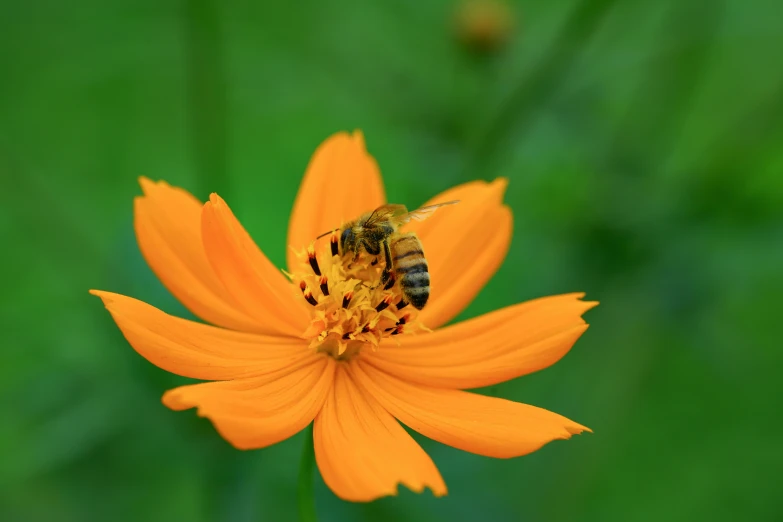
(347, 240)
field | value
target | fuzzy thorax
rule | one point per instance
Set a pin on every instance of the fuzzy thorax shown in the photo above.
(351, 308)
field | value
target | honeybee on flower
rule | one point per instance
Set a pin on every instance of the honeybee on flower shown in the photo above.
(378, 233)
(318, 344)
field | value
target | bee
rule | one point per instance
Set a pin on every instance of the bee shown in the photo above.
(377, 233)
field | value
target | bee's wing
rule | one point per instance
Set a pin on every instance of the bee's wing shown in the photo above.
(385, 213)
(380, 214)
(420, 214)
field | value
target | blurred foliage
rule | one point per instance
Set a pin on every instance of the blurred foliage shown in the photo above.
(642, 141)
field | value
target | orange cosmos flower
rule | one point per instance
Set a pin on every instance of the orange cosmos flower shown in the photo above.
(321, 344)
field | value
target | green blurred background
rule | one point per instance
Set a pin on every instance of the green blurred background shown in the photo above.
(644, 146)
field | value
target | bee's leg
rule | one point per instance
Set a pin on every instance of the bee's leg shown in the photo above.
(353, 259)
(387, 276)
(387, 254)
(369, 286)
(357, 252)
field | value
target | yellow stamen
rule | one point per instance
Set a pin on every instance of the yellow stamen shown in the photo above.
(351, 310)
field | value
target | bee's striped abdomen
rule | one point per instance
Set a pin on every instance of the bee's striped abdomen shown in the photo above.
(410, 267)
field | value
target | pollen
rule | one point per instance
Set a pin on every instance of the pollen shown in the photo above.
(351, 309)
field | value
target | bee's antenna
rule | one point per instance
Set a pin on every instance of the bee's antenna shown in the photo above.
(327, 233)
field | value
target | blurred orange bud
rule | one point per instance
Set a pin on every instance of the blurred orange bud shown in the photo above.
(484, 25)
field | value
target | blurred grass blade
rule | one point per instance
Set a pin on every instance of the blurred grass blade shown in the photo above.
(207, 94)
(540, 84)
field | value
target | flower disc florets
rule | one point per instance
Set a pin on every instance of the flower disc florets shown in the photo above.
(351, 307)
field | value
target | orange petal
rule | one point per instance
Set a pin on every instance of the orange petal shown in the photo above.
(467, 421)
(342, 181)
(258, 412)
(362, 452)
(490, 349)
(252, 280)
(465, 245)
(168, 229)
(198, 350)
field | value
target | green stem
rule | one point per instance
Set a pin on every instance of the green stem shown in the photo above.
(305, 489)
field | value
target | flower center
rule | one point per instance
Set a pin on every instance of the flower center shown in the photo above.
(352, 308)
